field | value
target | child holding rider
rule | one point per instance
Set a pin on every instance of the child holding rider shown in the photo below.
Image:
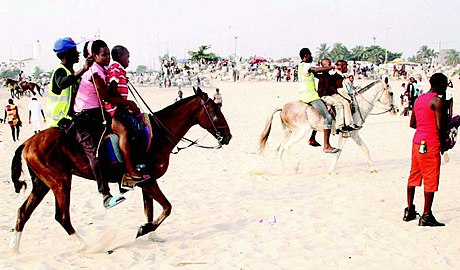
(310, 96)
(90, 117)
(343, 118)
(123, 111)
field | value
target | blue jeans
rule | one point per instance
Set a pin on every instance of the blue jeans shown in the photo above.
(322, 109)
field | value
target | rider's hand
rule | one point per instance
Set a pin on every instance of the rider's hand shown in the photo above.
(133, 107)
(88, 62)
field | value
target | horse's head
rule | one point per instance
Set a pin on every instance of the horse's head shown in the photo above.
(387, 98)
(210, 117)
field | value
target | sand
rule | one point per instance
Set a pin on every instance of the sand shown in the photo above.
(234, 209)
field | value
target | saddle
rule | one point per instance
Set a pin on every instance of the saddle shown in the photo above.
(140, 141)
(23, 84)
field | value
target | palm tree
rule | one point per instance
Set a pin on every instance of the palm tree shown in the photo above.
(357, 53)
(339, 52)
(374, 54)
(453, 57)
(322, 51)
(200, 55)
(426, 54)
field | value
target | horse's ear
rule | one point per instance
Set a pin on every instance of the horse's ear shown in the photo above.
(198, 91)
(194, 90)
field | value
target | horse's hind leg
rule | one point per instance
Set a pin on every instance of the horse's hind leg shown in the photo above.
(355, 136)
(37, 194)
(290, 141)
(153, 191)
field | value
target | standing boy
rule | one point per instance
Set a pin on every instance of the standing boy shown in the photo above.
(426, 158)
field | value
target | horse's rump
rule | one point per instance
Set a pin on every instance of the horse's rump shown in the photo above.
(297, 114)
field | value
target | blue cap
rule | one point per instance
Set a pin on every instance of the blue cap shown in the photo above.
(63, 44)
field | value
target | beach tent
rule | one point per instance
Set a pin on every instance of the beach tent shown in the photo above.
(397, 60)
(257, 59)
(183, 60)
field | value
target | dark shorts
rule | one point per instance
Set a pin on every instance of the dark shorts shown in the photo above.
(131, 122)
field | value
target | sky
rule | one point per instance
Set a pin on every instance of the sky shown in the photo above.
(270, 28)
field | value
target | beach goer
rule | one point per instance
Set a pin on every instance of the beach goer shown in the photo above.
(12, 118)
(64, 83)
(405, 104)
(35, 115)
(179, 82)
(179, 96)
(218, 98)
(449, 99)
(309, 95)
(403, 92)
(426, 154)
(89, 114)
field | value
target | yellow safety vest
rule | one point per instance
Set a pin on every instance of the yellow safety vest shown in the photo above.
(307, 86)
(58, 106)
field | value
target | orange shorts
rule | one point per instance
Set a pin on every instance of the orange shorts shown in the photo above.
(425, 166)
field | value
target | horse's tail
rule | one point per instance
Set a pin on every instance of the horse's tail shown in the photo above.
(16, 170)
(268, 126)
(38, 89)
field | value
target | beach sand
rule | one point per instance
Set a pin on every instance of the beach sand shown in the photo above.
(235, 209)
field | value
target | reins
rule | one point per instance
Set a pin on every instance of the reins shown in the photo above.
(367, 87)
(173, 138)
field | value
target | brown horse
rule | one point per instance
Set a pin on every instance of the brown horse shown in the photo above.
(52, 157)
(18, 90)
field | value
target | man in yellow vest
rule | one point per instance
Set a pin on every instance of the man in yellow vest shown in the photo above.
(64, 83)
(309, 95)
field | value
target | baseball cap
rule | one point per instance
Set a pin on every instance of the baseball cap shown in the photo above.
(63, 44)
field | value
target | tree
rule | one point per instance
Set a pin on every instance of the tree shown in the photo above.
(453, 57)
(339, 52)
(8, 73)
(425, 54)
(357, 53)
(201, 56)
(392, 56)
(374, 54)
(142, 69)
(37, 71)
(322, 51)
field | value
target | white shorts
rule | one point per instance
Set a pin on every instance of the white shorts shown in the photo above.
(37, 125)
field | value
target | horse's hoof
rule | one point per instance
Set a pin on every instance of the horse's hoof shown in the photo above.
(154, 238)
(145, 229)
(374, 171)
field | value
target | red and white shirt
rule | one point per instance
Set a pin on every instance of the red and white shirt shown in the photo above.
(116, 73)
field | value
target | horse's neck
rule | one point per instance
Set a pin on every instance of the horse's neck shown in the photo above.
(367, 100)
(175, 124)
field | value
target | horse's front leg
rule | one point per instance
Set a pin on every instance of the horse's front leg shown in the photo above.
(152, 191)
(340, 145)
(355, 136)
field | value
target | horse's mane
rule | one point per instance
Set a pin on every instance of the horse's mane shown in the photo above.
(175, 105)
(365, 88)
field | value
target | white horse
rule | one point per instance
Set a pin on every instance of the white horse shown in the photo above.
(297, 124)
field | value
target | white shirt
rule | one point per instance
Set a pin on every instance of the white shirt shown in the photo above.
(36, 110)
(448, 93)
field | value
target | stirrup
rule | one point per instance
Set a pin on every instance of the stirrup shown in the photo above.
(130, 182)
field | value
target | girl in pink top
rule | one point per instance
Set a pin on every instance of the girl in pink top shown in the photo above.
(89, 114)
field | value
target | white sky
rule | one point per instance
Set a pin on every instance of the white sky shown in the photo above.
(267, 28)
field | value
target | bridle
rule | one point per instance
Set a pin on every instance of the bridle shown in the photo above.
(391, 108)
(173, 138)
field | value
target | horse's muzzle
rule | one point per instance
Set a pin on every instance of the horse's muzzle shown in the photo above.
(225, 138)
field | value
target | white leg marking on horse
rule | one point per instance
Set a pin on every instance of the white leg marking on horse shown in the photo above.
(355, 136)
(81, 245)
(14, 242)
(340, 145)
(154, 237)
